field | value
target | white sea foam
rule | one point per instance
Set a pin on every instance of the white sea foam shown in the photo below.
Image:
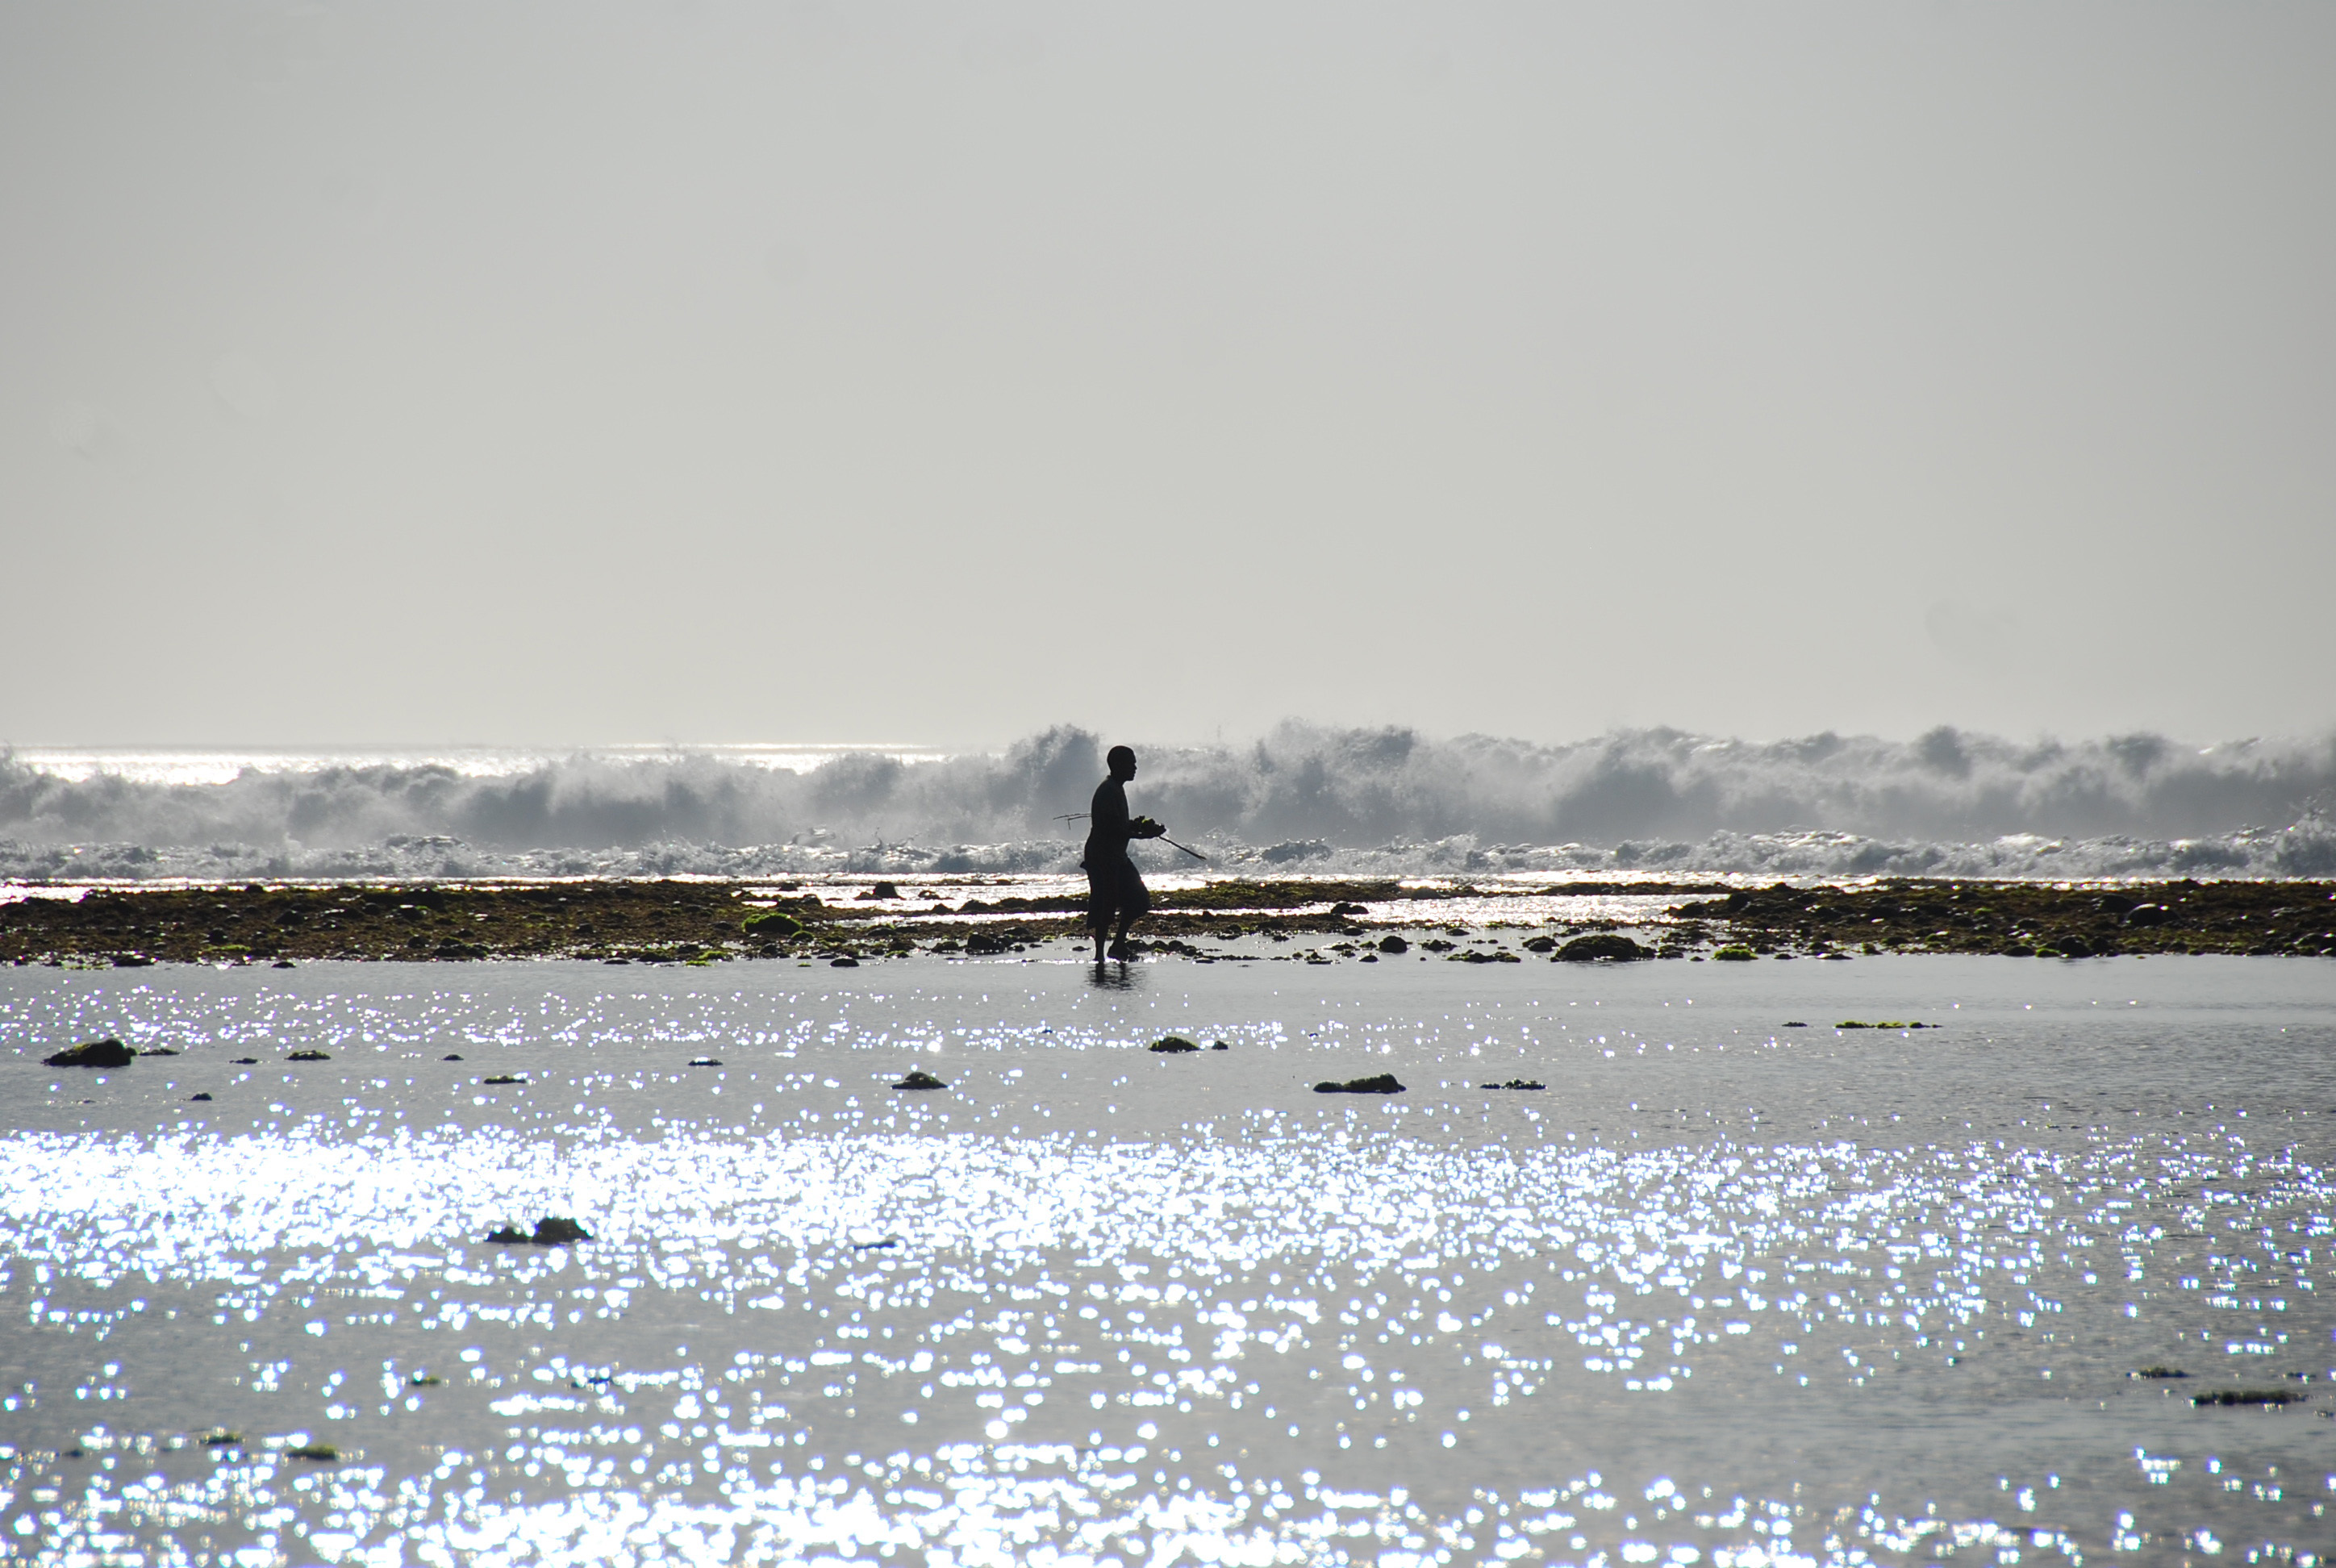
(1303, 799)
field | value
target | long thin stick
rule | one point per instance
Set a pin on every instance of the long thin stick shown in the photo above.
(1081, 816)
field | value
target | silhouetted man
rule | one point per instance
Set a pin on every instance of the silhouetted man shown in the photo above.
(1115, 891)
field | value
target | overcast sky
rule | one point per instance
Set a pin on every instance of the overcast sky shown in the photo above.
(706, 372)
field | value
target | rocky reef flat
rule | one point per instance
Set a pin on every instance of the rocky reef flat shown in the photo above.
(841, 920)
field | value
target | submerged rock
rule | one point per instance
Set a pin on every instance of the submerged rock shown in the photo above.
(1602, 946)
(1383, 1084)
(93, 1054)
(159, 1051)
(504, 1078)
(198, 1097)
(921, 1079)
(323, 1451)
(1518, 1084)
(309, 1057)
(1174, 1044)
(552, 1230)
(705, 1061)
(2249, 1396)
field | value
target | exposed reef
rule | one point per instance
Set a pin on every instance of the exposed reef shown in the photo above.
(835, 924)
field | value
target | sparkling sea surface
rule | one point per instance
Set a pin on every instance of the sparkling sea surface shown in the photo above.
(1723, 1290)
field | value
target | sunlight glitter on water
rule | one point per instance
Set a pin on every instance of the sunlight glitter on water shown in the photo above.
(1441, 1329)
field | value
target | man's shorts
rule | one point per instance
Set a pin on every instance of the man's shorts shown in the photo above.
(1114, 892)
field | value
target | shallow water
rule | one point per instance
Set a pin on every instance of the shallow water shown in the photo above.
(1723, 1290)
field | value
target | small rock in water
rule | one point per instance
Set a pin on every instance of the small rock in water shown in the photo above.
(324, 1451)
(1602, 946)
(1543, 944)
(881, 891)
(93, 1054)
(2248, 1396)
(424, 1380)
(503, 1078)
(1219, 1045)
(198, 1097)
(705, 1061)
(1383, 1084)
(1393, 945)
(549, 1231)
(451, 1057)
(281, 964)
(1517, 1084)
(243, 1061)
(159, 1051)
(2157, 1372)
(307, 1057)
(921, 1079)
(1174, 1044)
(846, 962)
(1733, 956)
(223, 1440)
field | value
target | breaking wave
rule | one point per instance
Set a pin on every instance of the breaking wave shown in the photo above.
(1305, 797)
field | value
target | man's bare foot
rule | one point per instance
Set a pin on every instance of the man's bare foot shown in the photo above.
(1121, 950)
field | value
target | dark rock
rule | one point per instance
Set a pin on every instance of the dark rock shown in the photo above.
(772, 924)
(309, 1057)
(846, 962)
(2146, 915)
(1174, 1044)
(503, 1078)
(132, 961)
(705, 1061)
(1517, 1084)
(2249, 1396)
(1792, 1024)
(1542, 944)
(2159, 1372)
(1350, 909)
(1602, 946)
(1383, 1084)
(1733, 956)
(452, 1057)
(283, 964)
(94, 1053)
(2074, 947)
(986, 944)
(1393, 945)
(199, 1096)
(921, 1079)
(881, 891)
(159, 1051)
(321, 1451)
(549, 1231)
(223, 1440)
(1219, 1046)
(243, 1061)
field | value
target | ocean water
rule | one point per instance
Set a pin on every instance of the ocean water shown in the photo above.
(1305, 798)
(1724, 1290)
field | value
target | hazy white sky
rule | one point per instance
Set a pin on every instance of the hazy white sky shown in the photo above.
(564, 373)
